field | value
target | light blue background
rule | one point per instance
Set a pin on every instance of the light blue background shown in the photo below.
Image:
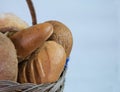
(95, 24)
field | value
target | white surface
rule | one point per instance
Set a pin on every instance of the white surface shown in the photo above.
(95, 24)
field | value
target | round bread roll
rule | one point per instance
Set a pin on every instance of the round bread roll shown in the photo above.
(8, 59)
(11, 22)
(62, 35)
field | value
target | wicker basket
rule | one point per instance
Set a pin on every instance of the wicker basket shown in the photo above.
(10, 86)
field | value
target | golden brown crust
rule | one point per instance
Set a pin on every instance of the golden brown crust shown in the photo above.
(8, 29)
(47, 65)
(8, 59)
(62, 35)
(11, 22)
(28, 40)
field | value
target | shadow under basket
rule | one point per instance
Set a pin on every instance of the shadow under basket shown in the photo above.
(10, 86)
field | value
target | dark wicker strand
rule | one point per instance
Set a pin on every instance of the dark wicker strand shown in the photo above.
(15, 88)
(32, 11)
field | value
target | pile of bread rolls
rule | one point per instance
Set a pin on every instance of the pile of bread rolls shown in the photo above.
(33, 54)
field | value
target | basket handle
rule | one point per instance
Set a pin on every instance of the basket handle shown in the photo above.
(32, 11)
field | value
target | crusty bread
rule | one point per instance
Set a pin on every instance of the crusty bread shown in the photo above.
(11, 22)
(45, 66)
(29, 39)
(8, 59)
(62, 35)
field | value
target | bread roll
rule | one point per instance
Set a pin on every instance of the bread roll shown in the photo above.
(8, 59)
(46, 65)
(11, 22)
(29, 39)
(62, 35)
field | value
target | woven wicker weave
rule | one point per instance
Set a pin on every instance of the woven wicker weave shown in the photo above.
(10, 86)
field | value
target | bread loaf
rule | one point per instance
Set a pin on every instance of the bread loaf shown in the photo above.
(29, 39)
(46, 66)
